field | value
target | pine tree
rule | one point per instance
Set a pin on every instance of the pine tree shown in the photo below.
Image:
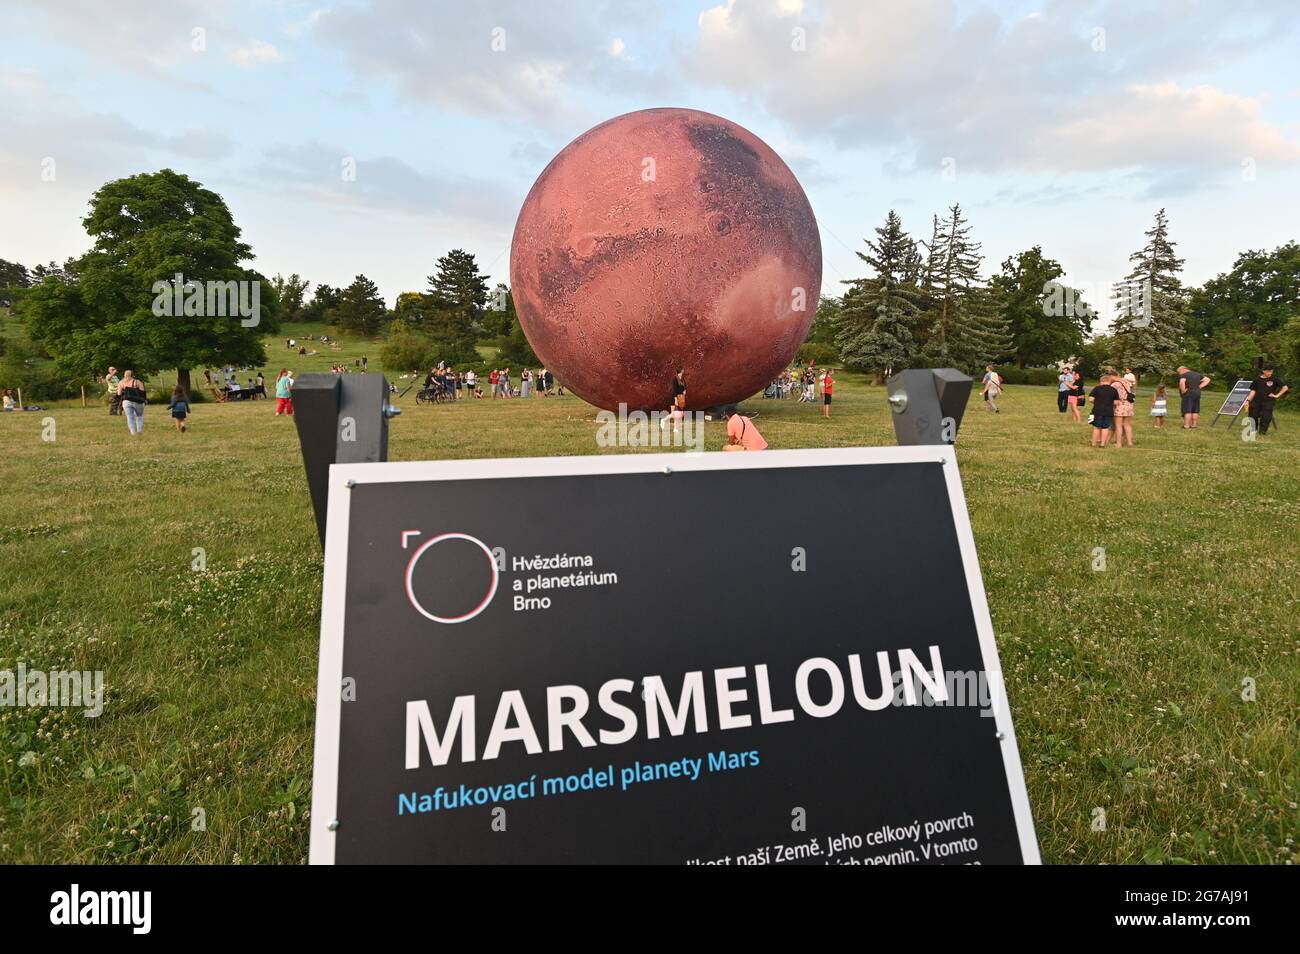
(459, 293)
(969, 330)
(1151, 305)
(360, 308)
(874, 327)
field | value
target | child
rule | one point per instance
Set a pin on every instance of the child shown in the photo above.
(1159, 406)
(1103, 397)
(180, 407)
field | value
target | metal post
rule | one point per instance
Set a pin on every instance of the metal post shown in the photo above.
(928, 404)
(341, 419)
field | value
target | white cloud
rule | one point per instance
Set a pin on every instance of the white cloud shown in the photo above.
(525, 62)
(256, 53)
(925, 81)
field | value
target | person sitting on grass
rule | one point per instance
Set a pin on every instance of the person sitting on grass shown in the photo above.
(742, 435)
(180, 407)
(1103, 398)
(9, 400)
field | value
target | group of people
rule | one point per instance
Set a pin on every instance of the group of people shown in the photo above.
(127, 395)
(362, 364)
(1114, 401)
(802, 383)
(225, 386)
(462, 385)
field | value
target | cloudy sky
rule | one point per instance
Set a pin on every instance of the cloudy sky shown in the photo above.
(1065, 124)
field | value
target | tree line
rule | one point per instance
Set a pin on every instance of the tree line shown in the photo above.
(926, 304)
(922, 303)
(156, 230)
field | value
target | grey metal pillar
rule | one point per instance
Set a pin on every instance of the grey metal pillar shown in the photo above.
(341, 419)
(928, 404)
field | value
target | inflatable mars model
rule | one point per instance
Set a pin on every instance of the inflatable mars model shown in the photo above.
(661, 239)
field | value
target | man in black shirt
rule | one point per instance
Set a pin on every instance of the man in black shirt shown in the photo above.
(1264, 392)
(1103, 398)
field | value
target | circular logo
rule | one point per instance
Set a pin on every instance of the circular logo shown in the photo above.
(415, 558)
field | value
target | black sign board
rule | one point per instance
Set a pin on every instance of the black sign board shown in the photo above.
(1234, 402)
(678, 658)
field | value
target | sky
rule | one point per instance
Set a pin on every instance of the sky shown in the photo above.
(1060, 124)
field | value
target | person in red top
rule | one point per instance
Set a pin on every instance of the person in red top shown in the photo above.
(828, 385)
(742, 435)
(492, 380)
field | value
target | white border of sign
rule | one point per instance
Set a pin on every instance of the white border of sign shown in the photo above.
(325, 769)
(1242, 387)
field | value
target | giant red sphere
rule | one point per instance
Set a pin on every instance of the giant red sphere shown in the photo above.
(661, 239)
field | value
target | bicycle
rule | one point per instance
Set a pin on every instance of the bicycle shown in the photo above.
(432, 395)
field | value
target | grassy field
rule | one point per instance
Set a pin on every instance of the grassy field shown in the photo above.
(1125, 684)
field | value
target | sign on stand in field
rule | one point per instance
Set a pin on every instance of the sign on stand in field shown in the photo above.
(700, 659)
(1234, 402)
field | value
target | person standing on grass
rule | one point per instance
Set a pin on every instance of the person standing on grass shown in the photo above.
(677, 406)
(111, 381)
(1064, 383)
(828, 388)
(132, 394)
(1264, 392)
(284, 393)
(1123, 411)
(1103, 399)
(1190, 384)
(1075, 397)
(492, 380)
(992, 388)
(180, 407)
(1159, 406)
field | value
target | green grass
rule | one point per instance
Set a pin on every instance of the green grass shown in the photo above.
(1125, 684)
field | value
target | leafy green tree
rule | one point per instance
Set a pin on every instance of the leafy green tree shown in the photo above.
(360, 309)
(324, 300)
(874, 328)
(1047, 320)
(413, 308)
(500, 317)
(514, 349)
(291, 294)
(1151, 305)
(13, 275)
(406, 349)
(104, 308)
(968, 330)
(1258, 298)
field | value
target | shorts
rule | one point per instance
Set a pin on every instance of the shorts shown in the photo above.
(1072, 400)
(1192, 403)
(826, 399)
(179, 415)
(1103, 422)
